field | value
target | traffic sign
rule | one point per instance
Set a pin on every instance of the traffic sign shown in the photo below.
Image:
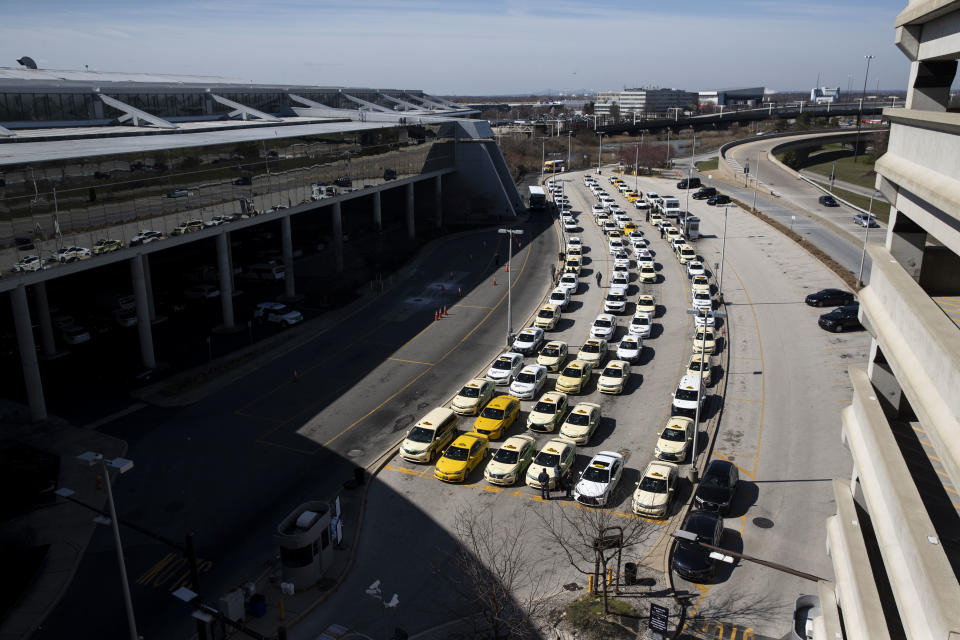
(658, 618)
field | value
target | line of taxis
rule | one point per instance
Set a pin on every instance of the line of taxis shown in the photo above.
(437, 436)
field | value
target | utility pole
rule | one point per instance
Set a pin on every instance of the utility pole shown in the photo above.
(543, 157)
(600, 153)
(863, 94)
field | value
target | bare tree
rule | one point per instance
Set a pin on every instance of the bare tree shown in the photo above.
(497, 576)
(592, 538)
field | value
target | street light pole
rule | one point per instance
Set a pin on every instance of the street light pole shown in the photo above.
(668, 147)
(510, 233)
(693, 148)
(694, 472)
(723, 251)
(636, 169)
(600, 153)
(866, 234)
(569, 134)
(756, 181)
(863, 94)
(543, 157)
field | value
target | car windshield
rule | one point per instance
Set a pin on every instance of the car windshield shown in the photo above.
(545, 407)
(550, 352)
(603, 324)
(568, 279)
(713, 480)
(594, 474)
(419, 434)
(545, 459)
(579, 419)
(470, 392)
(505, 365)
(545, 313)
(673, 435)
(612, 372)
(640, 322)
(653, 485)
(591, 347)
(456, 453)
(629, 346)
(526, 377)
(695, 365)
(493, 413)
(571, 372)
(506, 456)
(613, 297)
(686, 394)
(524, 337)
(701, 336)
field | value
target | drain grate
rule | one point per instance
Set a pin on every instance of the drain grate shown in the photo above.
(763, 523)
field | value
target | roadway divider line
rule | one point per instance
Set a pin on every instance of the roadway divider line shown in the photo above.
(427, 364)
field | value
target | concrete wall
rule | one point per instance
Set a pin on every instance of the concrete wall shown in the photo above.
(478, 183)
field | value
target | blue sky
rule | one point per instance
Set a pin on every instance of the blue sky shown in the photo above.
(479, 47)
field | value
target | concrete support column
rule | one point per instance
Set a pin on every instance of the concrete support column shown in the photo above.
(438, 199)
(411, 227)
(148, 279)
(377, 217)
(336, 221)
(28, 354)
(286, 237)
(144, 327)
(47, 345)
(225, 269)
(905, 242)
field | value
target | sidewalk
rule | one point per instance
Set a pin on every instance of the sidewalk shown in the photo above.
(64, 530)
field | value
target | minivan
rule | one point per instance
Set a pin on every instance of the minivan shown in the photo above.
(689, 183)
(428, 438)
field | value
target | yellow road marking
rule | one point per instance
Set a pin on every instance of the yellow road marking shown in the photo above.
(848, 346)
(469, 306)
(728, 459)
(743, 400)
(846, 364)
(745, 358)
(441, 359)
(427, 364)
(492, 489)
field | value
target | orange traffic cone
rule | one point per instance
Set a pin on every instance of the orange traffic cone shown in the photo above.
(459, 293)
(444, 311)
(494, 282)
(295, 376)
(436, 316)
(506, 268)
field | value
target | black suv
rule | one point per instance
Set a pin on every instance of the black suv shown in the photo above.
(841, 318)
(829, 298)
(717, 487)
(691, 183)
(343, 181)
(704, 193)
(828, 201)
(718, 199)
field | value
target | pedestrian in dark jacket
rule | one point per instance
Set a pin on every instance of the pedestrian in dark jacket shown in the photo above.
(544, 480)
(568, 481)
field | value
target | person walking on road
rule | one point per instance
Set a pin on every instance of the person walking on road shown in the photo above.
(568, 481)
(544, 480)
(599, 278)
(661, 232)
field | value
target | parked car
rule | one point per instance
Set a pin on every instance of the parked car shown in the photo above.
(689, 183)
(841, 318)
(828, 201)
(704, 193)
(146, 236)
(717, 487)
(718, 199)
(829, 298)
(106, 246)
(343, 181)
(178, 193)
(690, 560)
(276, 313)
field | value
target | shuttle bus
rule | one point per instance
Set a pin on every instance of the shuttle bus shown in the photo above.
(538, 198)
(551, 166)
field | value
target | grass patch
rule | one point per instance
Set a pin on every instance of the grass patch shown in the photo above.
(587, 611)
(881, 208)
(707, 165)
(859, 173)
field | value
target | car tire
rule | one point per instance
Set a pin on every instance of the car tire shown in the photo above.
(838, 328)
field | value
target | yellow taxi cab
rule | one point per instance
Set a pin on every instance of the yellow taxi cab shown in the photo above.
(574, 377)
(646, 303)
(473, 396)
(686, 253)
(697, 361)
(699, 283)
(670, 233)
(461, 457)
(497, 416)
(648, 274)
(633, 196)
(430, 435)
(613, 378)
(555, 454)
(655, 490)
(548, 412)
(628, 228)
(572, 264)
(547, 317)
(510, 460)
(674, 439)
(705, 341)
(655, 218)
(553, 355)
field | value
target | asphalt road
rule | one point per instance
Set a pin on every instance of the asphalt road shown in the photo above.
(229, 467)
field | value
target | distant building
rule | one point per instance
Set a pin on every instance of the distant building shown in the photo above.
(644, 101)
(824, 95)
(748, 97)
